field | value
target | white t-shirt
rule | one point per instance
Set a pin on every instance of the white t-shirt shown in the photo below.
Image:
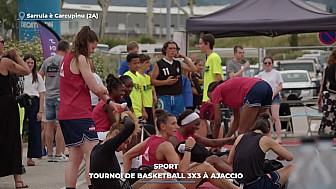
(33, 89)
(273, 78)
(94, 98)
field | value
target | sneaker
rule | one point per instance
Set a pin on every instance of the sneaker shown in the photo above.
(50, 158)
(61, 158)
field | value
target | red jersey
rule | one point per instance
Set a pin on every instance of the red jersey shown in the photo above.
(149, 151)
(180, 138)
(101, 118)
(75, 102)
(233, 91)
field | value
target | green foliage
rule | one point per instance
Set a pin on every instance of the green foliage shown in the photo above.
(144, 39)
(24, 47)
(105, 64)
(294, 40)
(9, 15)
(112, 42)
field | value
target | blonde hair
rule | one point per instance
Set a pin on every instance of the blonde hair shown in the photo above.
(119, 124)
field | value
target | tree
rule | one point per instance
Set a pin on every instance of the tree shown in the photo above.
(8, 16)
(104, 4)
(190, 4)
(61, 4)
(294, 40)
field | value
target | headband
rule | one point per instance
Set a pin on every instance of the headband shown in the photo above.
(191, 117)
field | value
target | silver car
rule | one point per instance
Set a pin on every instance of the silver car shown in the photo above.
(296, 79)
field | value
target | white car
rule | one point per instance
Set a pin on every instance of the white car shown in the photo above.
(297, 79)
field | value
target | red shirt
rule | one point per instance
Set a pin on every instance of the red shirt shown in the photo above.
(233, 91)
(75, 102)
(101, 118)
(180, 138)
(149, 151)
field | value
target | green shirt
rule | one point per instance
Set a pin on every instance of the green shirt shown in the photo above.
(213, 66)
(136, 93)
(146, 90)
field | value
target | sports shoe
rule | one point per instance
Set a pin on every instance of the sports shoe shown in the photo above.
(50, 158)
(61, 158)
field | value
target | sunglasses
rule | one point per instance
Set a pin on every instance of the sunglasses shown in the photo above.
(3, 42)
(269, 63)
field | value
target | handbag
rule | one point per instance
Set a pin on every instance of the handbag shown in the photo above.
(24, 100)
(271, 165)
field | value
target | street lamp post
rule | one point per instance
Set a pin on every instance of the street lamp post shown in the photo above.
(126, 26)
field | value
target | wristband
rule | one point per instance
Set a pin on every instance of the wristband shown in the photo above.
(188, 149)
(108, 101)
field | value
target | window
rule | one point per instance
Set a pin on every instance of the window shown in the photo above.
(295, 77)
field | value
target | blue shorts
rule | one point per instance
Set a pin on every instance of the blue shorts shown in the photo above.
(276, 99)
(260, 95)
(172, 104)
(51, 109)
(269, 181)
(76, 130)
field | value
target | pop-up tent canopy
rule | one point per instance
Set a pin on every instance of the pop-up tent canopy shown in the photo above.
(263, 17)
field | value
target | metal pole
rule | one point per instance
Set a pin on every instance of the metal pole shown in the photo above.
(126, 26)
(168, 20)
(178, 16)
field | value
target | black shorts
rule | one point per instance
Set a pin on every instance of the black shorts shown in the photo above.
(76, 130)
(260, 95)
(269, 181)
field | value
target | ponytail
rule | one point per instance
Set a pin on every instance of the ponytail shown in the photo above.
(262, 123)
(82, 39)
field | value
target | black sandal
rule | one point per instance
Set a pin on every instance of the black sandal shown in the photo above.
(22, 185)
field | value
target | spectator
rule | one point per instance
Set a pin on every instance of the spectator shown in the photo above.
(166, 78)
(94, 98)
(132, 47)
(10, 141)
(274, 79)
(187, 93)
(50, 69)
(233, 67)
(197, 84)
(213, 72)
(327, 97)
(34, 87)
(136, 96)
(149, 98)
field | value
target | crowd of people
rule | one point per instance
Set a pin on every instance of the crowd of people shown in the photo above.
(173, 99)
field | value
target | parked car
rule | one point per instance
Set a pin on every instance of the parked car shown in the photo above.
(308, 65)
(254, 69)
(297, 79)
(319, 65)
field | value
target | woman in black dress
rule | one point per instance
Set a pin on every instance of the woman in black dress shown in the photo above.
(10, 141)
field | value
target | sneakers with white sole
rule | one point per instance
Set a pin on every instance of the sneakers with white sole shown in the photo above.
(61, 158)
(50, 158)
